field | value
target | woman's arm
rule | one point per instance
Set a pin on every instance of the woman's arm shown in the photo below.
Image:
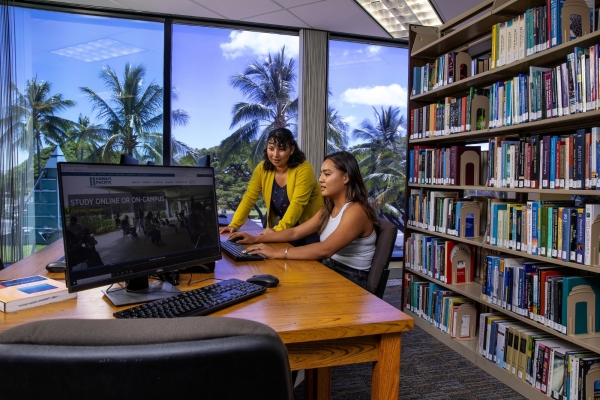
(249, 199)
(285, 236)
(354, 224)
(303, 186)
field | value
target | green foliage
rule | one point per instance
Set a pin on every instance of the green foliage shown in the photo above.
(382, 160)
(269, 87)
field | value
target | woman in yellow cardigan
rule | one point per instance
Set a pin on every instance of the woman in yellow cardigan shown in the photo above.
(287, 182)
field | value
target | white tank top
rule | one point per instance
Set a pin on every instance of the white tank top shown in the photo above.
(359, 253)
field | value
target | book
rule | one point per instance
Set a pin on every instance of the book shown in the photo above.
(33, 291)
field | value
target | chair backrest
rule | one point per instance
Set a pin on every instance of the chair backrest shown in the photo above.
(198, 357)
(379, 272)
(204, 161)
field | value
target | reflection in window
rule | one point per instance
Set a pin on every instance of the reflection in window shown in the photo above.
(91, 90)
(367, 116)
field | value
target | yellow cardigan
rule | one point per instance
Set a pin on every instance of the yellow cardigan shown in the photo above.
(303, 190)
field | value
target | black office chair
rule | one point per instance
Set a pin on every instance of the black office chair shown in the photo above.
(210, 358)
(204, 161)
(128, 160)
(379, 272)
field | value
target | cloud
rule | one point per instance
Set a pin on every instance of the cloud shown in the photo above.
(258, 44)
(373, 50)
(392, 95)
(350, 120)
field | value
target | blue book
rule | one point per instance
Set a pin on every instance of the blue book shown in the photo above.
(556, 22)
(493, 337)
(508, 286)
(438, 307)
(508, 103)
(494, 225)
(485, 287)
(431, 299)
(444, 175)
(496, 280)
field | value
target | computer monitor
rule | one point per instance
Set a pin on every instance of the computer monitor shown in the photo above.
(124, 223)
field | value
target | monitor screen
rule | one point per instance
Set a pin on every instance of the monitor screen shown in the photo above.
(124, 222)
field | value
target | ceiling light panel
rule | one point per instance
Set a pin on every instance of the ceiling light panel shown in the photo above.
(98, 50)
(395, 15)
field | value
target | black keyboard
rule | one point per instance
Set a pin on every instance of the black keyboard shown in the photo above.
(234, 250)
(202, 301)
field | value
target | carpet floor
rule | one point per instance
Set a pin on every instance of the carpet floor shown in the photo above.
(428, 370)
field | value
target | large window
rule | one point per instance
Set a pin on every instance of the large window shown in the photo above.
(233, 87)
(367, 116)
(90, 90)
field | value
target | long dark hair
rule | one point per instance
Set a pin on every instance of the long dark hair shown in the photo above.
(283, 138)
(356, 190)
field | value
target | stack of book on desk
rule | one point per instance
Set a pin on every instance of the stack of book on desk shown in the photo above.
(22, 293)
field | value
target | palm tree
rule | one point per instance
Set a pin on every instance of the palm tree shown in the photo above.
(87, 139)
(337, 131)
(272, 103)
(35, 112)
(382, 158)
(133, 115)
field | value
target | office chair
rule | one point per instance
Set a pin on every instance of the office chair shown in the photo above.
(210, 358)
(128, 160)
(204, 161)
(379, 272)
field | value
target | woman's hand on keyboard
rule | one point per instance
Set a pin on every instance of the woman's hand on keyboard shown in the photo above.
(227, 229)
(242, 238)
(264, 249)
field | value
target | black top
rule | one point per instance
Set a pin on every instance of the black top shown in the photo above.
(279, 199)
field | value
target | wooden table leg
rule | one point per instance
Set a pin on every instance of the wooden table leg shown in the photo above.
(386, 370)
(317, 384)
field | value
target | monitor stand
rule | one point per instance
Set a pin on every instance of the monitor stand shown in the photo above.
(205, 268)
(140, 291)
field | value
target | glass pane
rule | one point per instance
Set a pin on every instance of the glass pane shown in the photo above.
(233, 87)
(90, 90)
(367, 116)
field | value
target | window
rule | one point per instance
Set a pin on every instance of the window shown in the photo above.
(367, 116)
(90, 90)
(233, 87)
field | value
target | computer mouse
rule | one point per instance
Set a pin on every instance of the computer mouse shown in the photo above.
(264, 280)
(56, 266)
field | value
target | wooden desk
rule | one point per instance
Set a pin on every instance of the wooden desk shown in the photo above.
(324, 319)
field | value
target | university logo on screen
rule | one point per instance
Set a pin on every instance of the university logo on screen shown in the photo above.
(100, 180)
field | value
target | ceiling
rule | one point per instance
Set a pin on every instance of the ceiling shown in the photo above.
(341, 16)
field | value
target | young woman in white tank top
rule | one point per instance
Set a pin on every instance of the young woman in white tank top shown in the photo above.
(346, 223)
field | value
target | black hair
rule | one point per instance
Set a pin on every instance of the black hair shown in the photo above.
(356, 191)
(283, 138)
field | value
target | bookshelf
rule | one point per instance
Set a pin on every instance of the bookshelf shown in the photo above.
(471, 32)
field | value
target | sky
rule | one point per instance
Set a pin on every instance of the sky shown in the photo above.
(60, 48)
